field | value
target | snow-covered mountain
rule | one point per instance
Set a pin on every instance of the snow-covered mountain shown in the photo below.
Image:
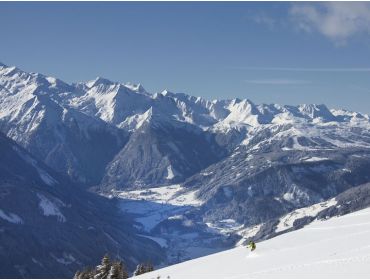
(335, 248)
(80, 128)
(119, 136)
(34, 114)
(246, 165)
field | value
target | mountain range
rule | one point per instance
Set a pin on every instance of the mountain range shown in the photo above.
(245, 163)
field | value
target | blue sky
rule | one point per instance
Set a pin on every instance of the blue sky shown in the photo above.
(281, 52)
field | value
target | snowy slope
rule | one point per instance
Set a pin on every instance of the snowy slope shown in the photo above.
(335, 248)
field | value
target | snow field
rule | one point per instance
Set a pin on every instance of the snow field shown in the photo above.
(335, 248)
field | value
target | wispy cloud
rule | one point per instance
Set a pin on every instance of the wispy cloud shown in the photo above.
(293, 69)
(336, 20)
(278, 82)
(262, 18)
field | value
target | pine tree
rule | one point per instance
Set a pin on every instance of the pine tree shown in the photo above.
(107, 270)
(149, 267)
(77, 275)
(143, 268)
(87, 273)
(102, 270)
(117, 271)
(139, 269)
(124, 271)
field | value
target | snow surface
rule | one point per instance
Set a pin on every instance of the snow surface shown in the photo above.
(11, 217)
(248, 233)
(170, 174)
(313, 159)
(153, 205)
(66, 259)
(168, 204)
(50, 208)
(148, 215)
(335, 248)
(287, 221)
(134, 122)
(173, 194)
(225, 227)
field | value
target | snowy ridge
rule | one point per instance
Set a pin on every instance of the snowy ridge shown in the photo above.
(287, 221)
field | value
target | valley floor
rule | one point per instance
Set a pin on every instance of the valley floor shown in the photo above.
(335, 248)
(159, 214)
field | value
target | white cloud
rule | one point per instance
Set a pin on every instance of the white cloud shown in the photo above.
(335, 20)
(278, 82)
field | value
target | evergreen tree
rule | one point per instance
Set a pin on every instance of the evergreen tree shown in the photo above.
(117, 271)
(124, 271)
(77, 275)
(139, 269)
(87, 273)
(111, 270)
(143, 268)
(148, 267)
(102, 270)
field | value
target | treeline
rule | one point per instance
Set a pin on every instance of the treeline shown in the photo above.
(111, 270)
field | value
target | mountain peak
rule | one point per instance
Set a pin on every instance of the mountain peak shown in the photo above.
(149, 113)
(316, 111)
(247, 102)
(135, 87)
(98, 81)
(244, 105)
(166, 92)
